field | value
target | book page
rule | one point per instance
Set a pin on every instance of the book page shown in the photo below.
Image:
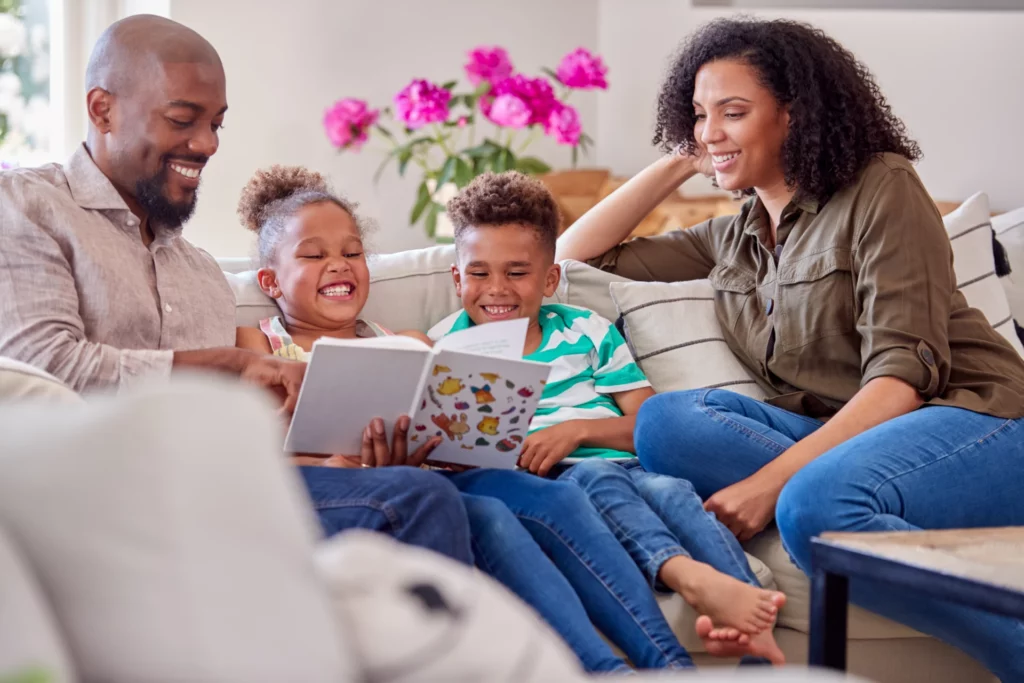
(504, 339)
(396, 341)
(481, 407)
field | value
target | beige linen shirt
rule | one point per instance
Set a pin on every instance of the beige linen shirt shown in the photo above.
(83, 298)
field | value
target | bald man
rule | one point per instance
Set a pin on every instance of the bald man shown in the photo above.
(99, 288)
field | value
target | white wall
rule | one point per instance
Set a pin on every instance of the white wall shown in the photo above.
(286, 60)
(955, 78)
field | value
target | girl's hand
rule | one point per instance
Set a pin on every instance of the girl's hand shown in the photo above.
(544, 449)
(375, 450)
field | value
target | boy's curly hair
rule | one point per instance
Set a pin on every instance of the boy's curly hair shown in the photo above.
(839, 118)
(503, 199)
(275, 194)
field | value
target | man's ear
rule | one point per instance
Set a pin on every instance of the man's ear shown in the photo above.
(457, 279)
(99, 104)
(267, 280)
(551, 280)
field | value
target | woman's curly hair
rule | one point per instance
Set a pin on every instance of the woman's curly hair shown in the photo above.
(839, 118)
(273, 195)
(508, 198)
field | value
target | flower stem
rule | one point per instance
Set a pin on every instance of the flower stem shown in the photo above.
(440, 140)
(529, 141)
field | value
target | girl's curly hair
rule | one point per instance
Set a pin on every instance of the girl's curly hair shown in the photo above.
(839, 118)
(275, 194)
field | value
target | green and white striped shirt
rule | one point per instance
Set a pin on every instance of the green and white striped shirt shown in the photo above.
(589, 361)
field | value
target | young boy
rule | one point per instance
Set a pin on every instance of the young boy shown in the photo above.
(505, 231)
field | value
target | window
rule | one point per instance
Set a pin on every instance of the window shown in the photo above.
(26, 123)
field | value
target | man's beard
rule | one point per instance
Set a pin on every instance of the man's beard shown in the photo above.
(161, 211)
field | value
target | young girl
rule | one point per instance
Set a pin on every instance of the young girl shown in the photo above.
(544, 541)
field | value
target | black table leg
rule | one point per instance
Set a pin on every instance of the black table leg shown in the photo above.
(829, 594)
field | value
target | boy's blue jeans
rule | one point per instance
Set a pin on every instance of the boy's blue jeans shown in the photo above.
(545, 541)
(656, 517)
(935, 468)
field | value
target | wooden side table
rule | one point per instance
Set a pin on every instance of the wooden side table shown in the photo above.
(982, 568)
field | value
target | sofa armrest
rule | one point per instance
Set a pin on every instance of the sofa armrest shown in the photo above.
(21, 381)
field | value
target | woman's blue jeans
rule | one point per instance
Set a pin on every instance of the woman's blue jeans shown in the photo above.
(546, 542)
(934, 468)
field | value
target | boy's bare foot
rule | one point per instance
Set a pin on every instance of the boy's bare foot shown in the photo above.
(731, 642)
(727, 601)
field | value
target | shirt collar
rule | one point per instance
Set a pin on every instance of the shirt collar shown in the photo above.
(757, 217)
(89, 187)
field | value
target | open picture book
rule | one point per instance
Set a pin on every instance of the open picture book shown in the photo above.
(473, 389)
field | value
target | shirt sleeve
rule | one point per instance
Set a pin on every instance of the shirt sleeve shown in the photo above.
(672, 257)
(39, 320)
(615, 370)
(904, 285)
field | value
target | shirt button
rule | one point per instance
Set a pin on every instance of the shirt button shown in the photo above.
(167, 307)
(927, 357)
(769, 307)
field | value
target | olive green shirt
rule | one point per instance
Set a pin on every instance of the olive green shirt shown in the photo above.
(859, 287)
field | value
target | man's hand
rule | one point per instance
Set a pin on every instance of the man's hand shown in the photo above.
(544, 449)
(283, 377)
(375, 450)
(746, 507)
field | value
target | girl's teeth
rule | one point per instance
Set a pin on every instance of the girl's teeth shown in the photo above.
(336, 291)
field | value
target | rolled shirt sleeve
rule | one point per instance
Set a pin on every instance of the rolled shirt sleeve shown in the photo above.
(671, 257)
(904, 286)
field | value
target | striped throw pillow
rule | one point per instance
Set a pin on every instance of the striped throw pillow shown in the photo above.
(1009, 229)
(970, 231)
(674, 335)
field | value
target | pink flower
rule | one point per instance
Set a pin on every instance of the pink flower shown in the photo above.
(536, 93)
(583, 70)
(488, 64)
(421, 102)
(509, 110)
(563, 125)
(463, 121)
(347, 123)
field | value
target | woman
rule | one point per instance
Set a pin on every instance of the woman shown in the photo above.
(896, 406)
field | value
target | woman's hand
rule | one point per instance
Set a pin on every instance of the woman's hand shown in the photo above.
(544, 449)
(700, 159)
(375, 450)
(746, 507)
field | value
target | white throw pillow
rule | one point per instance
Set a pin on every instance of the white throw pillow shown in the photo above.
(674, 335)
(1009, 229)
(970, 231)
(29, 638)
(413, 615)
(21, 381)
(173, 540)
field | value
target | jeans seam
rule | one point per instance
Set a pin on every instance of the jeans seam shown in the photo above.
(600, 579)
(393, 519)
(973, 443)
(742, 429)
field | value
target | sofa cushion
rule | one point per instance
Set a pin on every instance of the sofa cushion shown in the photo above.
(970, 231)
(1009, 229)
(674, 334)
(171, 539)
(795, 614)
(30, 639)
(21, 381)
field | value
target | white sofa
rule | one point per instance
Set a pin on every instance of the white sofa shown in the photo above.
(413, 290)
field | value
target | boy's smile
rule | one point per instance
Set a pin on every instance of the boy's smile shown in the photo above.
(503, 273)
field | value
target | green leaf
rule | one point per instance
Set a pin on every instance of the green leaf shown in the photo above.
(448, 85)
(483, 150)
(481, 89)
(404, 157)
(447, 171)
(464, 173)
(383, 131)
(552, 74)
(422, 200)
(503, 161)
(531, 166)
(575, 155)
(431, 222)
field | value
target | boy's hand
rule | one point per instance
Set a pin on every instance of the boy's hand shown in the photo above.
(544, 449)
